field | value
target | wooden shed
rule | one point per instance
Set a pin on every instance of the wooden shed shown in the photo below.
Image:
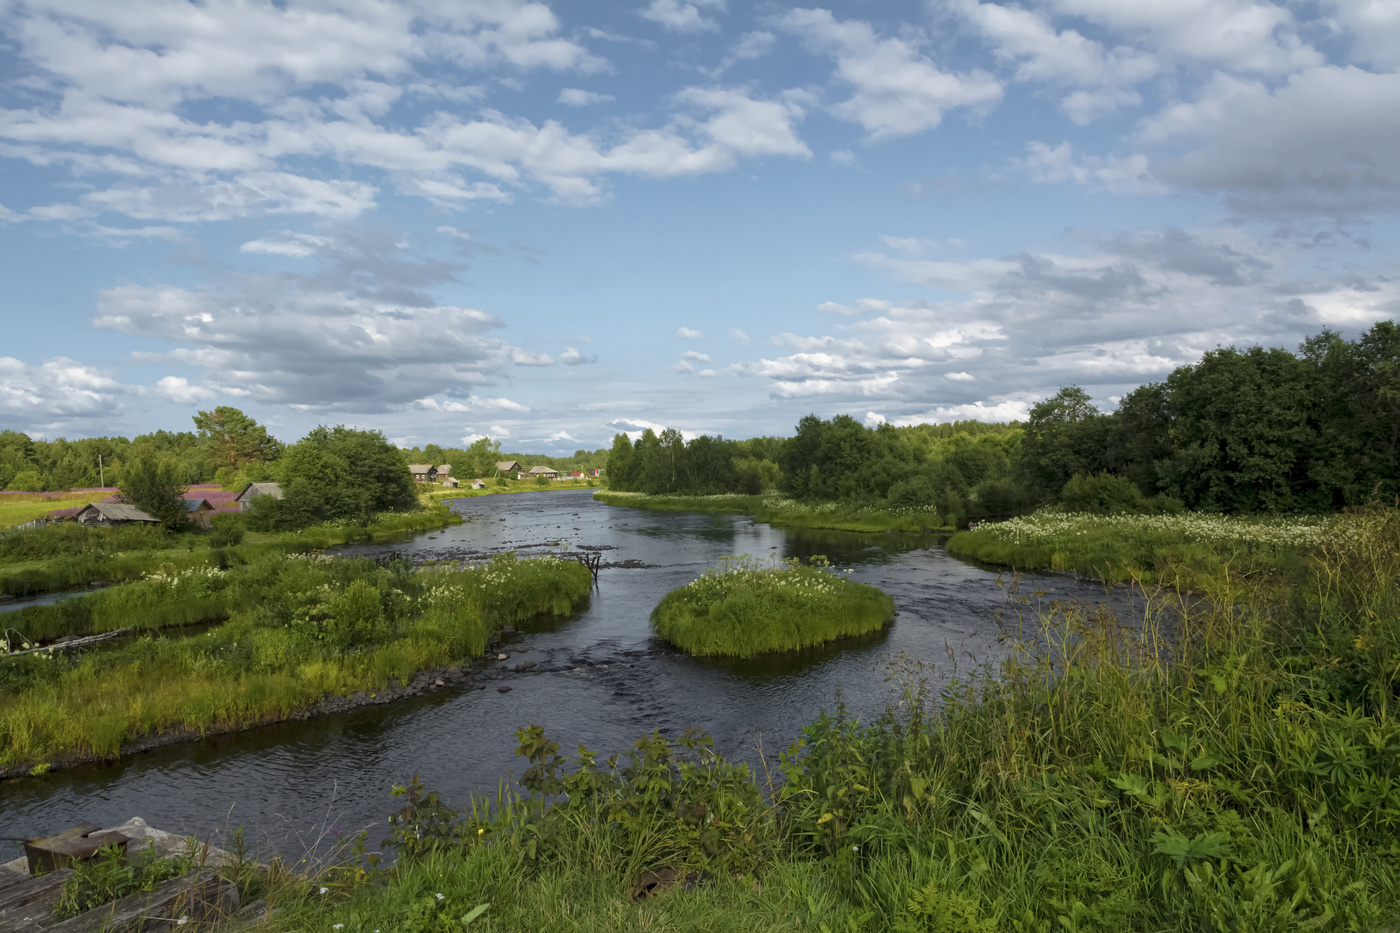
(253, 490)
(198, 511)
(113, 513)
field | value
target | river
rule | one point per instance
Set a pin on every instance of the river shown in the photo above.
(603, 680)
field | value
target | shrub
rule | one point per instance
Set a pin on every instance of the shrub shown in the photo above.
(27, 481)
(541, 481)
(500, 481)
(1104, 494)
(229, 529)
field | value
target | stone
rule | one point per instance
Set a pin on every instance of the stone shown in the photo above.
(502, 657)
(503, 690)
(525, 666)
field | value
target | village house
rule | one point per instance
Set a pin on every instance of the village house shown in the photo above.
(253, 490)
(509, 466)
(113, 513)
(449, 481)
(198, 512)
(545, 471)
(423, 472)
(478, 484)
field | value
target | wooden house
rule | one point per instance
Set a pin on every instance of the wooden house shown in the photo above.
(509, 466)
(198, 512)
(545, 471)
(449, 481)
(253, 490)
(423, 472)
(113, 513)
(478, 484)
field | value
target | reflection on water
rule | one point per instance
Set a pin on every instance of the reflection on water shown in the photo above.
(602, 681)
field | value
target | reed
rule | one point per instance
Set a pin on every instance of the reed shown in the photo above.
(746, 607)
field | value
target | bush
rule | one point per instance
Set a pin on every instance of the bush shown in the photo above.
(155, 488)
(500, 481)
(27, 481)
(229, 529)
(1104, 494)
(541, 481)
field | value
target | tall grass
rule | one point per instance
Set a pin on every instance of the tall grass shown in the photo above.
(304, 629)
(746, 607)
(1167, 549)
(777, 510)
(1240, 775)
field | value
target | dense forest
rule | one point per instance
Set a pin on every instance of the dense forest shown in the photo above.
(1255, 430)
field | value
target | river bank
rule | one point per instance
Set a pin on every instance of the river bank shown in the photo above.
(782, 512)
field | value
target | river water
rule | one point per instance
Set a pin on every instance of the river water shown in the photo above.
(603, 681)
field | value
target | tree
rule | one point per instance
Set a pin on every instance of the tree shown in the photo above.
(1065, 435)
(235, 439)
(484, 454)
(336, 473)
(154, 487)
(622, 464)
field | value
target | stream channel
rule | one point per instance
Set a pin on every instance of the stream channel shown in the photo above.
(600, 680)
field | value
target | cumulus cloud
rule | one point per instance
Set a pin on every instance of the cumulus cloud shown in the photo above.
(179, 389)
(572, 357)
(473, 404)
(688, 334)
(57, 394)
(676, 16)
(897, 89)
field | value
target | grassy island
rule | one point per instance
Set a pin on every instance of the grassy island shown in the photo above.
(1177, 549)
(746, 607)
(277, 637)
(777, 510)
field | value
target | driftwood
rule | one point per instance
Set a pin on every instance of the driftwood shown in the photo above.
(71, 643)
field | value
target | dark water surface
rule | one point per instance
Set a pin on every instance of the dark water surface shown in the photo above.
(285, 783)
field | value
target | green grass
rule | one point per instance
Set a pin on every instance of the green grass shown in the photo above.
(1167, 549)
(776, 510)
(1239, 777)
(115, 554)
(18, 508)
(512, 485)
(304, 628)
(747, 607)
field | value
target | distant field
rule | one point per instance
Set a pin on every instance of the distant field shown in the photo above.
(16, 508)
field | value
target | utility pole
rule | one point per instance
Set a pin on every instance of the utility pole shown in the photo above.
(101, 476)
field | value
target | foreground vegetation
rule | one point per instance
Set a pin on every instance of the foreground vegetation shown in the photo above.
(1239, 777)
(747, 606)
(299, 629)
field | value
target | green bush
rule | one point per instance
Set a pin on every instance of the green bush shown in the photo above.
(27, 481)
(500, 481)
(541, 481)
(1104, 494)
(228, 530)
(747, 607)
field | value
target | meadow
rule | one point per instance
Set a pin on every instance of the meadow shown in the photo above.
(299, 628)
(747, 606)
(774, 509)
(1170, 549)
(1240, 776)
(16, 508)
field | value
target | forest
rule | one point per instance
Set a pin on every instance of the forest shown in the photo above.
(1260, 430)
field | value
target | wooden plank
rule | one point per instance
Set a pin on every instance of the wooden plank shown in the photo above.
(31, 900)
(201, 896)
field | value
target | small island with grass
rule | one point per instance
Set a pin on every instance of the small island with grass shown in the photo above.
(747, 606)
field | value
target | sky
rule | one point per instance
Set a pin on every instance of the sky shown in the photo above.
(548, 223)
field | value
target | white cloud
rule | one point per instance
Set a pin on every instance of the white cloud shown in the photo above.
(292, 244)
(572, 357)
(179, 389)
(473, 404)
(696, 357)
(499, 431)
(574, 97)
(562, 436)
(898, 90)
(738, 336)
(873, 419)
(960, 377)
(1117, 174)
(676, 16)
(688, 334)
(56, 394)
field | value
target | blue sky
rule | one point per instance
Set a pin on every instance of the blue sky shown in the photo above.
(547, 224)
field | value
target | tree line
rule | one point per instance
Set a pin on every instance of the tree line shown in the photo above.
(1241, 431)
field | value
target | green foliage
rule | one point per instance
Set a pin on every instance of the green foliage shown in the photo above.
(154, 487)
(228, 529)
(746, 607)
(233, 439)
(112, 873)
(71, 538)
(1104, 494)
(26, 481)
(541, 481)
(336, 474)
